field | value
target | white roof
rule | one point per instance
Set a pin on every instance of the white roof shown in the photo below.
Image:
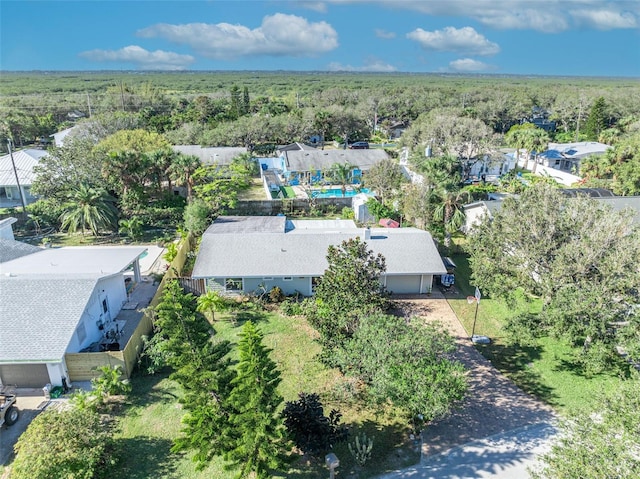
(24, 160)
(74, 261)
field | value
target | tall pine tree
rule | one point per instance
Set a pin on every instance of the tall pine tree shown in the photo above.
(200, 365)
(255, 426)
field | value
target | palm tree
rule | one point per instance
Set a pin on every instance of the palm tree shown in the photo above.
(182, 169)
(449, 209)
(211, 302)
(536, 140)
(89, 208)
(341, 174)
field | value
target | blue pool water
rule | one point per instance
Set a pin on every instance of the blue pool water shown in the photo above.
(336, 193)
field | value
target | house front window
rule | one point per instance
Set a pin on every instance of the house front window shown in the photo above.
(315, 280)
(233, 284)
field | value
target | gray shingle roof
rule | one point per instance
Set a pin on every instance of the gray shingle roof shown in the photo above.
(10, 250)
(39, 315)
(302, 252)
(246, 224)
(311, 160)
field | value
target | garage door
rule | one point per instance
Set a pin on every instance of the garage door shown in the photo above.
(24, 375)
(409, 284)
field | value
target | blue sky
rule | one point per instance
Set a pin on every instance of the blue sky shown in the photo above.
(542, 37)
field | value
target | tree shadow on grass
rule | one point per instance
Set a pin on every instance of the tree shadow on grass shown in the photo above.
(392, 449)
(146, 390)
(517, 363)
(144, 457)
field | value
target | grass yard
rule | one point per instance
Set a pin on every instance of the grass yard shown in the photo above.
(546, 370)
(152, 420)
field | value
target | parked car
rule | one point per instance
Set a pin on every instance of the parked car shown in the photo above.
(359, 145)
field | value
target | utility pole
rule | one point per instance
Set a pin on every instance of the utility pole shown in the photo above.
(122, 94)
(89, 104)
(15, 172)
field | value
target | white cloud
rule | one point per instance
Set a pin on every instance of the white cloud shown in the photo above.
(143, 59)
(380, 33)
(279, 35)
(468, 65)
(451, 39)
(605, 19)
(370, 65)
(319, 7)
(549, 16)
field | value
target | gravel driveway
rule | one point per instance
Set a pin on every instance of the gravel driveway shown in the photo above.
(494, 403)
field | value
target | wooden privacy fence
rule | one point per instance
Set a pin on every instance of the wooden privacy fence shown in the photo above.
(82, 366)
(192, 285)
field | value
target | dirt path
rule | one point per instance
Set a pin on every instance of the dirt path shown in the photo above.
(494, 403)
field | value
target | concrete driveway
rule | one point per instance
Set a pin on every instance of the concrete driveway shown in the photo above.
(504, 456)
(28, 402)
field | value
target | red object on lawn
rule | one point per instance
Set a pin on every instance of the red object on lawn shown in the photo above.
(389, 223)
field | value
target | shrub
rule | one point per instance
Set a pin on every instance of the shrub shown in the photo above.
(171, 253)
(308, 427)
(276, 295)
(72, 443)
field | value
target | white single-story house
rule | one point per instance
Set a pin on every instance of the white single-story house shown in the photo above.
(248, 254)
(55, 301)
(24, 161)
(210, 155)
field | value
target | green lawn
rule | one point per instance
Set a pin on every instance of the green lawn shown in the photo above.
(151, 421)
(547, 370)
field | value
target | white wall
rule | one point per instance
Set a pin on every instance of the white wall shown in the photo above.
(113, 290)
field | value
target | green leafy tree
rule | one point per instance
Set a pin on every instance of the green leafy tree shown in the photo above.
(349, 289)
(64, 168)
(89, 208)
(406, 363)
(578, 255)
(311, 431)
(385, 178)
(516, 137)
(255, 425)
(605, 443)
(197, 216)
(73, 443)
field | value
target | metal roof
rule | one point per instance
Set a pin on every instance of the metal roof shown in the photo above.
(302, 252)
(24, 160)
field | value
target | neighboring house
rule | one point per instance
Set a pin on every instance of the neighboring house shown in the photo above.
(479, 211)
(222, 156)
(55, 301)
(567, 156)
(489, 167)
(300, 164)
(249, 254)
(24, 161)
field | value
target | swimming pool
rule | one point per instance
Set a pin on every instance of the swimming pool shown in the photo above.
(336, 193)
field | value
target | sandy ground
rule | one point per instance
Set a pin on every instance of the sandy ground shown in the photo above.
(494, 403)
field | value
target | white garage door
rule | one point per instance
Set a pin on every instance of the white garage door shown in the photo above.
(24, 375)
(409, 284)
